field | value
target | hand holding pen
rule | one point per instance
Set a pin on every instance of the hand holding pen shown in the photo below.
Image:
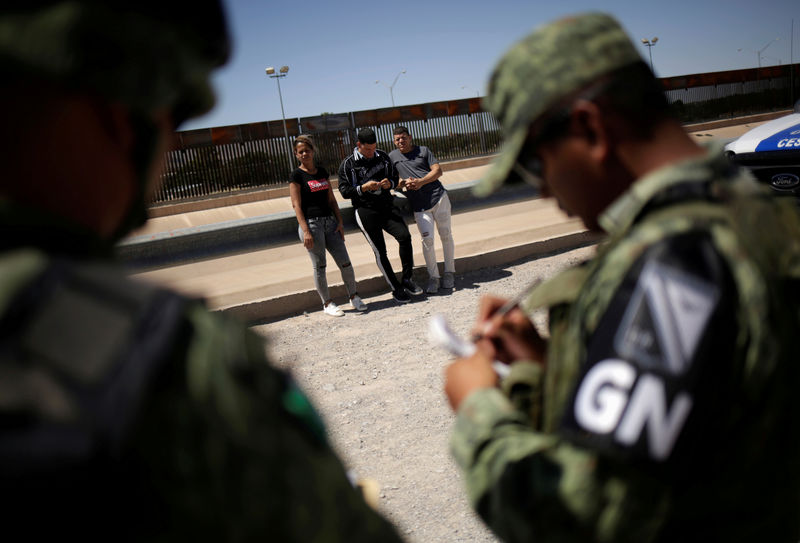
(505, 331)
(502, 335)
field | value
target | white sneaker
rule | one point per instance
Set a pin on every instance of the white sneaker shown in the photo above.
(357, 303)
(333, 310)
(433, 285)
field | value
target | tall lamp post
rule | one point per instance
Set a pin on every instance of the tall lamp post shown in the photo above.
(764, 49)
(649, 44)
(277, 77)
(391, 87)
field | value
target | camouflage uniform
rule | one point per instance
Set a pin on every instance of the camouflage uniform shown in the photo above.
(533, 473)
(160, 419)
(662, 412)
(128, 412)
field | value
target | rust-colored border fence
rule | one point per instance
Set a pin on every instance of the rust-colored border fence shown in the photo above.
(226, 159)
(718, 95)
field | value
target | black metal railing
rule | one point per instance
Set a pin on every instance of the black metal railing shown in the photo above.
(720, 95)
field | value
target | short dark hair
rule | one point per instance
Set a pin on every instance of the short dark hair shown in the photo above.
(367, 136)
(401, 130)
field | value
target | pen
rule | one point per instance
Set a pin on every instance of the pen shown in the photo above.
(442, 336)
(508, 306)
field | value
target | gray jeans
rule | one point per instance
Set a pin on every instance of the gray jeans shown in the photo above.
(323, 230)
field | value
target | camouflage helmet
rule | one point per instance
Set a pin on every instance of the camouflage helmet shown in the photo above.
(147, 54)
(548, 65)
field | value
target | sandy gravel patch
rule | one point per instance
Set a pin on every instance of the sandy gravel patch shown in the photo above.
(378, 385)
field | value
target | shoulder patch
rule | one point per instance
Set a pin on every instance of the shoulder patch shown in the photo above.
(665, 318)
(653, 349)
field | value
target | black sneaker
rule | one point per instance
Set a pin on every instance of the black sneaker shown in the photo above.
(401, 296)
(411, 287)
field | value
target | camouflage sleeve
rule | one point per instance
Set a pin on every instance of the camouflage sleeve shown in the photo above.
(650, 404)
(240, 452)
(514, 474)
(530, 485)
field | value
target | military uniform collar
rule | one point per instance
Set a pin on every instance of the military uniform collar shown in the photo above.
(621, 214)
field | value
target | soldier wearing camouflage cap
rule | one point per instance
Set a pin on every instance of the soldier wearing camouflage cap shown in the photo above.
(660, 406)
(128, 412)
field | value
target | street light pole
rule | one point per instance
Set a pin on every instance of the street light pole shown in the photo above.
(764, 49)
(277, 77)
(649, 44)
(391, 87)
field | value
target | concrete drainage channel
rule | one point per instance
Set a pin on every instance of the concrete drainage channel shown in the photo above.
(215, 240)
(175, 247)
(293, 303)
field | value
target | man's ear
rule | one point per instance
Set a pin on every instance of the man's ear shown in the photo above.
(588, 121)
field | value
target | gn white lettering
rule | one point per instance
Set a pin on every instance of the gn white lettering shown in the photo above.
(604, 394)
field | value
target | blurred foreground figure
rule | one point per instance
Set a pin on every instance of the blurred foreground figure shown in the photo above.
(126, 411)
(662, 406)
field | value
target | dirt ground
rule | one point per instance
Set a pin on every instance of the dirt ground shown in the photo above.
(379, 386)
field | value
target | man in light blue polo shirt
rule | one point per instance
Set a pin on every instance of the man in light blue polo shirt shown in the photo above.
(419, 172)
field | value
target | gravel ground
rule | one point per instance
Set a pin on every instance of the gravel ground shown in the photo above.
(379, 387)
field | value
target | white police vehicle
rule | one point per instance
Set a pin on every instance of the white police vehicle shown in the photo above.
(772, 152)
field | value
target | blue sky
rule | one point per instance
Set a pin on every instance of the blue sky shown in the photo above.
(336, 50)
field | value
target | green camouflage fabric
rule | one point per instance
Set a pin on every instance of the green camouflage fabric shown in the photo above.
(153, 57)
(553, 62)
(129, 53)
(163, 421)
(127, 412)
(530, 483)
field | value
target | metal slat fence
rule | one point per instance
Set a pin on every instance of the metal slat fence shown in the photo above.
(216, 161)
(719, 95)
(453, 137)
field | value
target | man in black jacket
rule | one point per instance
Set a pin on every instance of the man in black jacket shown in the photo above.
(366, 178)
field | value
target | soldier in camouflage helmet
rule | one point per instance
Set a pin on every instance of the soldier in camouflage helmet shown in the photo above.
(126, 411)
(660, 406)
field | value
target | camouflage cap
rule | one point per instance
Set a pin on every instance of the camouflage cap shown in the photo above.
(147, 54)
(548, 65)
